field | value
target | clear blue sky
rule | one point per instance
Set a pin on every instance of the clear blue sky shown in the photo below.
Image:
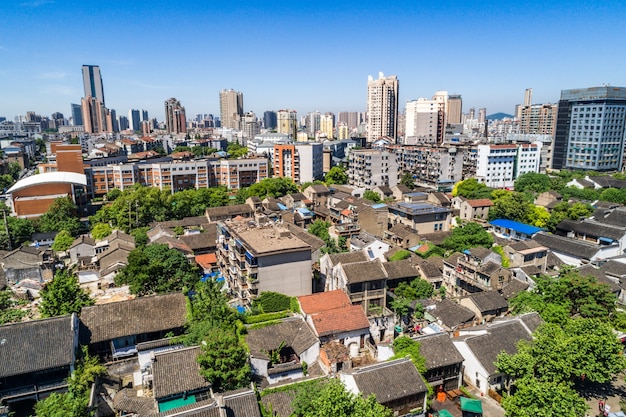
(304, 55)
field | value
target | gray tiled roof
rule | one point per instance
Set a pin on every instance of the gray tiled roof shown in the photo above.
(125, 318)
(577, 248)
(348, 257)
(449, 313)
(293, 332)
(364, 271)
(176, 372)
(280, 402)
(615, 217)
(400, 269)
(438, 350)
(241, 403)
(389, 381)
(591, 228)
(488, 301)
(514, 287)
(37, 345)
(501, 337)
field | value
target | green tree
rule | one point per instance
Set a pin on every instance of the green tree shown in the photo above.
(613, 195)
(61, 216)
(62, 241)
(538, 216)
(9, 308)
(418, 289)
(156, 269)
(74, 402)
(224, 360)
(6, 181)
(270, 302)
(336, 175)
(236, 151)
(269, 187)
(405, 346)
(334, 400)
(468, 236)
(543, 399)
(20, 230)
(510, 205)
(371, 196)
(407, 180)
(532, 182)
(100, 230)
(63, 296)
(471, 189)
(15, 169)
(113, 194)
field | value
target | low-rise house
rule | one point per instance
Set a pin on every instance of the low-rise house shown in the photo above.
(527, 253)
(333, 317)
(334, 356)
(439, 199)
(373, 247)
(42, 239)
(474, 270)
(444, 363)
(400, 271)
(317, 193)
(396, 384)
(590, 230)
(278, 351)
(480, 349)
(510, 229)
(27, 263)
(113, 260)
(383, 191)
(329, 266)
(215, 214)
(548, 199)
(177, 380)
(447, 314)
(365, 283)
(37, 357)
(422, 217)
(431, 270)
(113, 330)
(487, 305)
(402, 235)
(399, 190)
(575, 252)
(83, 246)
(475, 209)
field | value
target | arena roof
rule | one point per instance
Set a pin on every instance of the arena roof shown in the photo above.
(49, 178)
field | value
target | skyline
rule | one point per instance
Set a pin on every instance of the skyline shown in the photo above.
(304, 57)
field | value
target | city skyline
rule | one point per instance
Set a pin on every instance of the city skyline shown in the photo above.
(489, 53)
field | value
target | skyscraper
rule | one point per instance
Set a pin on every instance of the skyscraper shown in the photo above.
(96, 117)
(175, 119)
(288, 122)
(92, 82)
(590, 129)
(537, 119)
(455, 109)
(269, 120)
(134, 120)
(77, 115)
(382, 107)
(231, 109)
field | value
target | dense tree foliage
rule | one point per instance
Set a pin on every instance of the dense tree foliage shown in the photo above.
(407, 180)
(543, 399)
(510, 205)
(156, 269)
(270, 302)
(320, 228)
(100, 231)
(236, 151)
(20, 230)
(405, 346)
(336, 175)
(61, 216)
(418, 289)
(332, 399)
(532, 182)
(63, 295)
(568, 295)
(224, 360)
(371, 196)
(268, 187)
(74, 402)
(9, 308)
(471, 189)
(470, 235)
(62, 241)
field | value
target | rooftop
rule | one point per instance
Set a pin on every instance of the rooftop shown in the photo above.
(265, 240)
(516, 226)
(177, 372)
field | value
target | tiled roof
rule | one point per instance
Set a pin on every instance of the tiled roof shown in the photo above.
(280, 402)
(501, 337)
(400, 269)
(126, 400)
(449, 313)
(481, 202)
(389, 381)
(488, 301)
(402, 230)
(185, 222)
(514, 287)
(232, 211)
(591, 228)
(577, 248)
(125, 318)
(363, 271)
(241, 403)
(37, 345)
(348, 257)
(198, 241)
(432, 268)
(339, 320)
(323, 301)
(83, 239)
(438, 350)
(207, 260)
(614, 217)
(176, 372)
(293, 332)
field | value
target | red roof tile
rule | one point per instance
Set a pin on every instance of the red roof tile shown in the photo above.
(482, 202)
(206, 261)
(339, 320)
(323, 301)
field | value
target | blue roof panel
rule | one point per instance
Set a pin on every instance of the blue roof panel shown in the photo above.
(517, 226)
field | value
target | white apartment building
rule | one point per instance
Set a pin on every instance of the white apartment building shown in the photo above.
(369, 168)
(422, 121)
(498, 166)
(382, 107)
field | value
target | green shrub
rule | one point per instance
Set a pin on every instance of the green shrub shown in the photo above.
(270, 302)
(260, 318)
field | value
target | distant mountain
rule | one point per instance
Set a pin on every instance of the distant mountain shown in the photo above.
(499, 116)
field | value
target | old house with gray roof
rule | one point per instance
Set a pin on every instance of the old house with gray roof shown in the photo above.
(444, 363)
(486, 305)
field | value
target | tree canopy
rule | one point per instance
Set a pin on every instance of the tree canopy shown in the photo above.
(268, 187)
(9, 310)
(470, 235)
(62, 241)
(61, 216)
(405, 346)
(533, 182)
(471, 189)
(224, 360)
(156, 269)
(336, 175)
(63, 295)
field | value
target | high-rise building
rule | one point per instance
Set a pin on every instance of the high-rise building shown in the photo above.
(312, 123)
(92, 82)
(144, 115)
(122, 122)
(537, 119)
(327, 124)
(77, 115)
(249, 125)
(528, 97)
(231, 109)
(482, 115)
(590, 129)
(382, 107)
(269, 120)
(134, 120)
(287, 122)
(115, 127)
(175, 119)
(421, 121)
(96, 117)
(455, 109)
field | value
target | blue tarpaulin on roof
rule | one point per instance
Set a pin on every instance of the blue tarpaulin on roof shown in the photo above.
(305, 211)
(379, 205)
(241, 309)
(282, 206)
(516, 226)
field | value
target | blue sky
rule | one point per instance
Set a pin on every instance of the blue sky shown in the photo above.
(304, 55)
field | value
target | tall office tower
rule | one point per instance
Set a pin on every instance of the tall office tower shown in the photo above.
(92, 82)
(590, 129)
(115, 127)
(96, 117)
(231, 108)
(144, 115)
(312, 123)
(77, 115)
(269, 120)
(472, 113)
(528, 97)
(249, 125)
(175, 119)
(482, 115)
(134, 120)
(382, 107)
(327, 124)
(455, 109)
(122, 122)
(421, 121)
(538, 119)
(287, 121)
